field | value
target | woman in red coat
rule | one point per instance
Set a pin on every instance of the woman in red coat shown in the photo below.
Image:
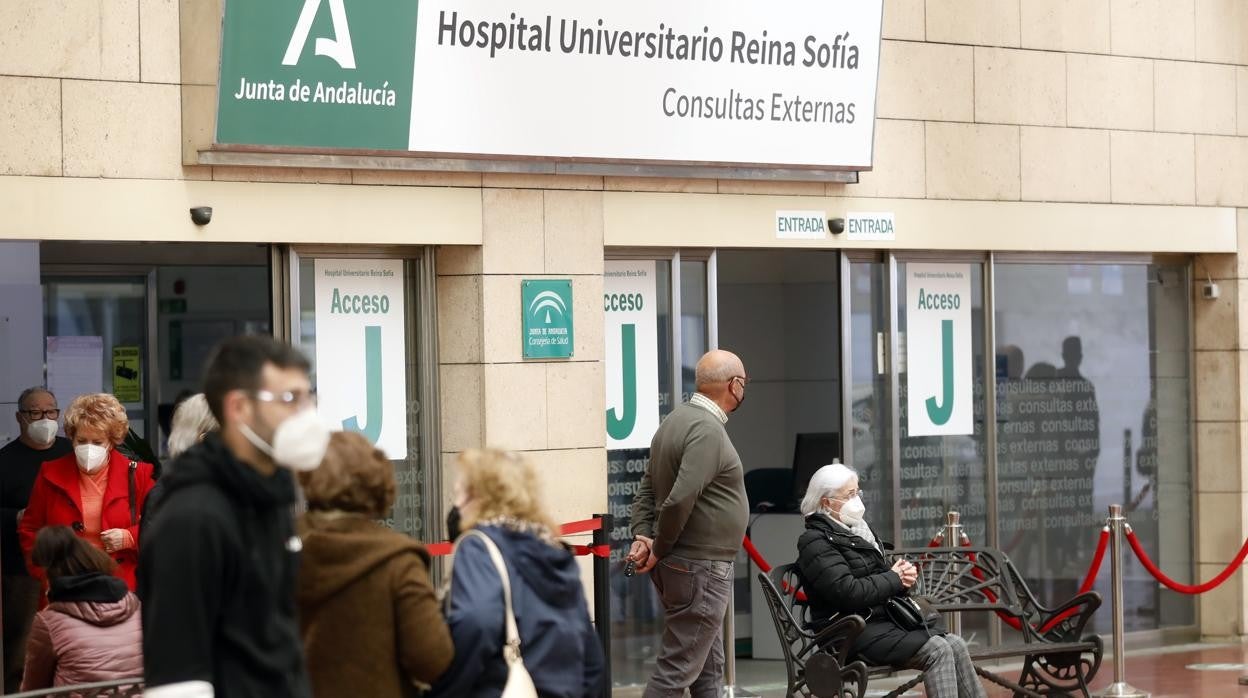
(96, 491)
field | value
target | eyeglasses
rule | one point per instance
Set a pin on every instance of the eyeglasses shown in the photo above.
(848, 495)
(45, 414)
(297, 398)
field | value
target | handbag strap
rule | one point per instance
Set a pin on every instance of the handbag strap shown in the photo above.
(512, 631)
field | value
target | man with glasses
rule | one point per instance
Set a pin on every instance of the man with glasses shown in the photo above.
(37, 441)
(217, 570)
(688, 518)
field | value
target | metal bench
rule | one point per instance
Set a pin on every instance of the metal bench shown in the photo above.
(1059, 658)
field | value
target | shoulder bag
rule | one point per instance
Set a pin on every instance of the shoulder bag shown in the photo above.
(912, 612)
(519, 683)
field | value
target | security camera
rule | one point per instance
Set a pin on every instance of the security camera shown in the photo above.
(836, 225)
(1210, 291)
(201, 215)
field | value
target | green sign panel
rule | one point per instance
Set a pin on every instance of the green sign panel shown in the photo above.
(547, 326)
(300, 73)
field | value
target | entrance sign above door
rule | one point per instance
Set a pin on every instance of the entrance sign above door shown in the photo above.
(726, 82)
(547, 310)
(870, 227)
(801, 225)
(630, 300)
(361, 350)
(938, 338)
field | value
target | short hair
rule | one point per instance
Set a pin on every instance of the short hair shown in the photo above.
(191, 420)
(34, 390)
(504, 485)
(826, 482)
(61, 553)
(354, 477)
(237, 363)
(99, 411)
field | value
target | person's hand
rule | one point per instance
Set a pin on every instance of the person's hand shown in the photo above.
(642, 554)
(114, 539)
(907, 572)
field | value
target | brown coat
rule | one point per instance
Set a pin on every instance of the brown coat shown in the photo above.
(76, 642)
(370, 620)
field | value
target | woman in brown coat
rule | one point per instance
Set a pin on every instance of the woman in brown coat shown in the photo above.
(370, 620)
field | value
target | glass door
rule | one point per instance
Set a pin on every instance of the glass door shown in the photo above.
(870, 396)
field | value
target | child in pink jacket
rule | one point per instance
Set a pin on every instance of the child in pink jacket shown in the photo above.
(91, 629)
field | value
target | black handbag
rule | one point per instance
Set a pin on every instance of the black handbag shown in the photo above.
(912, 612)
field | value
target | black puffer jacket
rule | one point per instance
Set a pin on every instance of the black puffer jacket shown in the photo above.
(843, 573)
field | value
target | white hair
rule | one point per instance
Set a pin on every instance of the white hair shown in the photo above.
(826, 482)
(191, 421)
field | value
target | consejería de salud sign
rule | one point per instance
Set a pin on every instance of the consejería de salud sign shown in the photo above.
(782, 82)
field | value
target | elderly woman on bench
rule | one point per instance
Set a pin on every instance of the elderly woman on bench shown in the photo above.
(845, 571)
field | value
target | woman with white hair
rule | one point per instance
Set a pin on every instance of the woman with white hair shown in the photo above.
(192, 421)
(844, 570)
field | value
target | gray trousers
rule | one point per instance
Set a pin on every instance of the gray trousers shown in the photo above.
(695, 597)
(947, 668)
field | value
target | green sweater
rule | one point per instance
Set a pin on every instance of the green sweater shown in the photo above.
(692, 497)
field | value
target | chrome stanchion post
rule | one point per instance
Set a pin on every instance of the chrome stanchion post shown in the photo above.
(730, 652)
(953, 537)
(1119, 688)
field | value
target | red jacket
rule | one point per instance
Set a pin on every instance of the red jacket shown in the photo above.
(57, 501)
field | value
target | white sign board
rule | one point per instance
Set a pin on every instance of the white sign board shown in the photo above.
(630, 295)
(361, 360)
(938, 338)
(75, 367)
(702, 81)
(801, 225)
(872, 227)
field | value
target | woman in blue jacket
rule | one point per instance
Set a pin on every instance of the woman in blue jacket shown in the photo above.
(497, 493)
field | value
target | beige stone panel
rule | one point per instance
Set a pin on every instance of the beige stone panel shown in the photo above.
(1217, 266)
(201, 174)
(575, 396)
(462, 406)
(199, 120)
(408, 178)
(1152, 168)
(158, 41)
(1065, 164)
(116, 129)
(904, 19)
(1241, 218)
(898, 163)
(1109, 92)
(1153, 28)
(933, 82)
(1216, 320)
(573, 232)
(980, 22)
(30, 126)
(1241, 108)
(303, 175)
(1221, 609)
(512, 221)
(1220, 519)
(663, 184)
(1195, 97)
(200, 22)
(1222, 31)
(459, 320)
(91, 39)
(588, 318)
(972, 161)
(458, 260)
(1221, 171)
(1020, 87)
(515, 405)
(502, 326)
(1217, 456)
(1217, 386)
(573, 482)
(1066, 25)
(744, 186)
(506, 180)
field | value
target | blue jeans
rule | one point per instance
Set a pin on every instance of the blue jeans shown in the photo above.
(695, 597)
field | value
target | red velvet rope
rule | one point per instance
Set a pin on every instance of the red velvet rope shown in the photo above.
(759, 562)
(567, 529)
(1176, 586)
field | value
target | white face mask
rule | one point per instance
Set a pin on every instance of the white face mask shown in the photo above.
(853, 510)
(299, 443)
(42, 431)
(90, 457)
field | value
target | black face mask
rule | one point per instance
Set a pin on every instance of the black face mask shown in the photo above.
(452, 523)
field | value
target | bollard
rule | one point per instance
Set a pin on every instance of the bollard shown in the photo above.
(602, 597)
(953, 537)
(1119, 688)
(730, 652)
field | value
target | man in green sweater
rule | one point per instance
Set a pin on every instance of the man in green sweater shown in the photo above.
(688, 519)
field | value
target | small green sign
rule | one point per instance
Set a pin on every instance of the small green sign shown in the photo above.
(547, 326)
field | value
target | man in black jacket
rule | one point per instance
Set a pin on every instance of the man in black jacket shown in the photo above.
(217, 570)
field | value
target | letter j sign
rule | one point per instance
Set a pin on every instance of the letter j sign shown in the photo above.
(938, 350)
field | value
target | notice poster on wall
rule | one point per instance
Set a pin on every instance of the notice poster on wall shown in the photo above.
(630, 296)
(938, 378)
(75, 367)
(361, 359)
